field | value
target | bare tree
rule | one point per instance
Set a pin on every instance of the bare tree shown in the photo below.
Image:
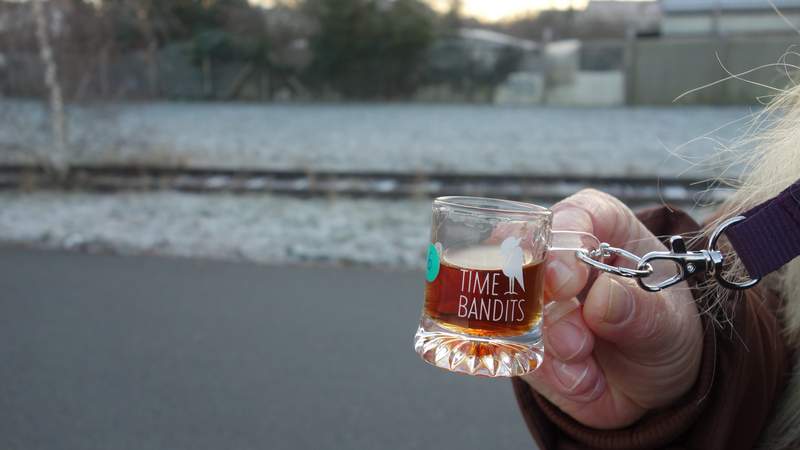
(56, 159)
(144, 20)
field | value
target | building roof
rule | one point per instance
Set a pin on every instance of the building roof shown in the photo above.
(641, 14)
(495, 38)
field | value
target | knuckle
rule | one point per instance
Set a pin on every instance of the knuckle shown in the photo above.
(582, 198)
(590, 192)
(622, 220)
(608, 215)
(596, 196)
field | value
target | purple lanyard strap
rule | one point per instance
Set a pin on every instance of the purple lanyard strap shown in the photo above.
(765, 238)
(769, 236)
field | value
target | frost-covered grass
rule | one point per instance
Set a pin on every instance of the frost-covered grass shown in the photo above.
(279, 230)
(392, 137)
(266, 229)
(259, 228)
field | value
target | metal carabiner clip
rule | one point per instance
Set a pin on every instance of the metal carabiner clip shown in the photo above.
(594, 258)
(691, 263)
(687, 264)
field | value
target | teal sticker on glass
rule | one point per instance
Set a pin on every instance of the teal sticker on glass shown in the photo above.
(433, 262)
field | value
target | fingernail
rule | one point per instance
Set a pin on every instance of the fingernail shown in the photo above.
(566, 340)
(555, 310)
(620, 304)
(558, 275)
(570, 375)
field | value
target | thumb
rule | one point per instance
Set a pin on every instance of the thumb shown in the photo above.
(649, 344)
(649, 327)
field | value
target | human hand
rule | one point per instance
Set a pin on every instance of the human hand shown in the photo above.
(625, 351)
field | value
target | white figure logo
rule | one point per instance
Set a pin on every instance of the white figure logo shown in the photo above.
(512, 267)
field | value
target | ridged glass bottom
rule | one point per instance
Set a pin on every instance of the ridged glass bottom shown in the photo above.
(488, 357)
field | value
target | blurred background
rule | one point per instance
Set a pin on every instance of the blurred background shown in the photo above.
(286, 152)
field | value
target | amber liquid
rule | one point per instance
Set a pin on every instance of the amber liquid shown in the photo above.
(482, 301)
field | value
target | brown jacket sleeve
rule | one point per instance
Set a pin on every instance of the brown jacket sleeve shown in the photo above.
(742, 373)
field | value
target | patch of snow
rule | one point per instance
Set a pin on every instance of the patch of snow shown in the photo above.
(383, 137)
(259, 228)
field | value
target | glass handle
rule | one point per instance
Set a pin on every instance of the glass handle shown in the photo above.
(572, 241)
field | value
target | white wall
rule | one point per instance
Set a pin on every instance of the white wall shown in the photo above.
(729, 23)
(605, 88)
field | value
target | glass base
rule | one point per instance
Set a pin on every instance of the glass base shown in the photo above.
(482, 356)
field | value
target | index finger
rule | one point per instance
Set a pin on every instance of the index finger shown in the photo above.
(606, 218)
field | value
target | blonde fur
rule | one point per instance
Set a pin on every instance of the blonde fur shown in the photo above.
(769, 156)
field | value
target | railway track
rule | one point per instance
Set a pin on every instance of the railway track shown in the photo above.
(679, 191)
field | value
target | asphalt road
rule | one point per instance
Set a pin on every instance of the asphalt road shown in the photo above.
(107, 352)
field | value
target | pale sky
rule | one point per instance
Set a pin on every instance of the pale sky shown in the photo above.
(493, 10)
(500, 9)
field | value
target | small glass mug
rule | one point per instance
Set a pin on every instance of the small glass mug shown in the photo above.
(485, 286)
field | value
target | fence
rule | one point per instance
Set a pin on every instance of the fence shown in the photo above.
(659, 70)
(656, 71)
